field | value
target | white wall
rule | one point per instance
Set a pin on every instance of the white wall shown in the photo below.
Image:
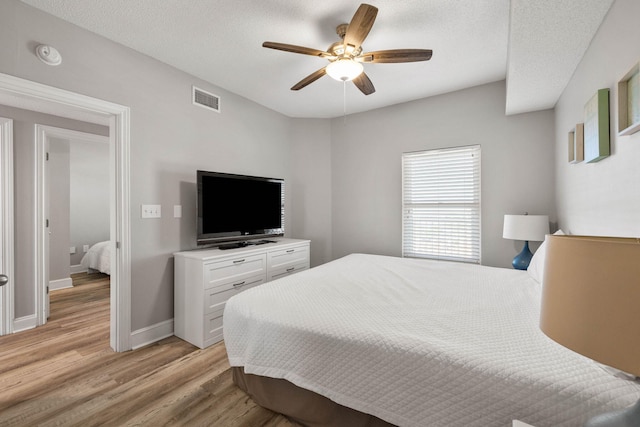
(88, 195)
(601, 198)
(517, 167)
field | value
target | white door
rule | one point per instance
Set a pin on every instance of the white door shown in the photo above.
(42, 226)
(6, 226)
(47, 228)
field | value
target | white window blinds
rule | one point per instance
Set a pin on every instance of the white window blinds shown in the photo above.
(441, 204)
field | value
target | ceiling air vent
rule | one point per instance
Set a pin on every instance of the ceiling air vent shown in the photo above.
(206, 100)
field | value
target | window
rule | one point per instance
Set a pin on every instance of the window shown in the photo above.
(441, 204)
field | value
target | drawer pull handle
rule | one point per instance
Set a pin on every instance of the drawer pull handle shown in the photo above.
(239, 284)
(290, 269)
(238, 261)
(290, 250)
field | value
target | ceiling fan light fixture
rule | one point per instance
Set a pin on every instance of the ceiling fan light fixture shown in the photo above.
(345, 56)
(344, 69)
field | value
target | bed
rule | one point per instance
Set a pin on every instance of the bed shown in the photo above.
(411, 343)
(98, 257)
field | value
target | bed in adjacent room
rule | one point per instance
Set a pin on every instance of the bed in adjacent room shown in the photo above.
(98, 258)
(413, 343)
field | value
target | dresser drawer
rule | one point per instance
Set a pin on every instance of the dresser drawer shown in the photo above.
(215, 298)
(206, 279)
(287, 270)
(212, 327)
(288, 257)
(225, 273)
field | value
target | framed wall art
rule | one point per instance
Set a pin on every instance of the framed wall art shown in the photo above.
(576, 144)
(629, 102)
(596, 127)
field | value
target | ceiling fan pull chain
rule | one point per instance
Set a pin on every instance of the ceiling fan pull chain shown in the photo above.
(344, 100)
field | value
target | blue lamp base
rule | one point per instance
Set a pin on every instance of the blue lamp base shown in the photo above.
(522, 260)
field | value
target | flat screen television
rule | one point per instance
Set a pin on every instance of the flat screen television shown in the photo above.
(233, 208)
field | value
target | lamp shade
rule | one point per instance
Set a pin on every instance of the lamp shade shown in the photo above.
(344, 69)
(525, 227)
(590, 298)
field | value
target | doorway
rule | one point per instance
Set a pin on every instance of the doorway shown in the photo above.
(73, 206)
(21, 93)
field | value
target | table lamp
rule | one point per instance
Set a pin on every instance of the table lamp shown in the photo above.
(528, 228)
(590, 295)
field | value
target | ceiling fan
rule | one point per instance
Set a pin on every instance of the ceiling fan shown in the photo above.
(346, 56)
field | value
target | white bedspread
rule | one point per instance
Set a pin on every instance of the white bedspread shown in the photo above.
(98, 257)
(419, 343)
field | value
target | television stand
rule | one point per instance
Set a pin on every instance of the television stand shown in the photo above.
(261, 242)
(205, 280)
(234, 245)
(244, 244)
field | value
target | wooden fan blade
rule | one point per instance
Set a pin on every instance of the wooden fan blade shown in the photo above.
(397, 55)
(310, 79)
(296, 49)
(360, 25)
(363, 82)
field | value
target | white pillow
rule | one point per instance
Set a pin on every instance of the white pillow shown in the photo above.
(536, 266)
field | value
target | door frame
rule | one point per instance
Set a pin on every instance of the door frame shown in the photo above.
(6, 224)
(42, 134)
(26, 94)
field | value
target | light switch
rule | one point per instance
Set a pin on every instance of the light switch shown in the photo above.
(72, 250)
(150, 211)
(177, 211)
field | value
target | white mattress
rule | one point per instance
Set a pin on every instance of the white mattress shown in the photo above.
(419, 343)
(98, 257)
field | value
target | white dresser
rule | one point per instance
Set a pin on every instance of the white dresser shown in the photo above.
(206, 279)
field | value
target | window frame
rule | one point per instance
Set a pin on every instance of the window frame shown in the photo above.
(475, 188)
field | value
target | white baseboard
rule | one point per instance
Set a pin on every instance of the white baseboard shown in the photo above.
(78, 268)
(151, 334)
(139, 338)
(54, 285)
(23, 323)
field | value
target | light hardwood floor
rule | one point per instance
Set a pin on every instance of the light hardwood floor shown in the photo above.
(65, 374)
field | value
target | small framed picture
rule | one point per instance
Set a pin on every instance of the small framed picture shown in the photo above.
(596, 127)
(629, 102)
(576, 144)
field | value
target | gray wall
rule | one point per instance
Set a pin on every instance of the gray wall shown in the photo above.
(517, 166)
(88, 195)
(311, 161)
(601, 198)
(24, 185)
(342, 180)
(170, 138)
(58, 209)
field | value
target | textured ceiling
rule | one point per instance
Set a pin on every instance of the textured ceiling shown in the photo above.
(546, 42)
(473, 43)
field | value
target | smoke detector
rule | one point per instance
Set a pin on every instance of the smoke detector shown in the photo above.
(48, 54)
